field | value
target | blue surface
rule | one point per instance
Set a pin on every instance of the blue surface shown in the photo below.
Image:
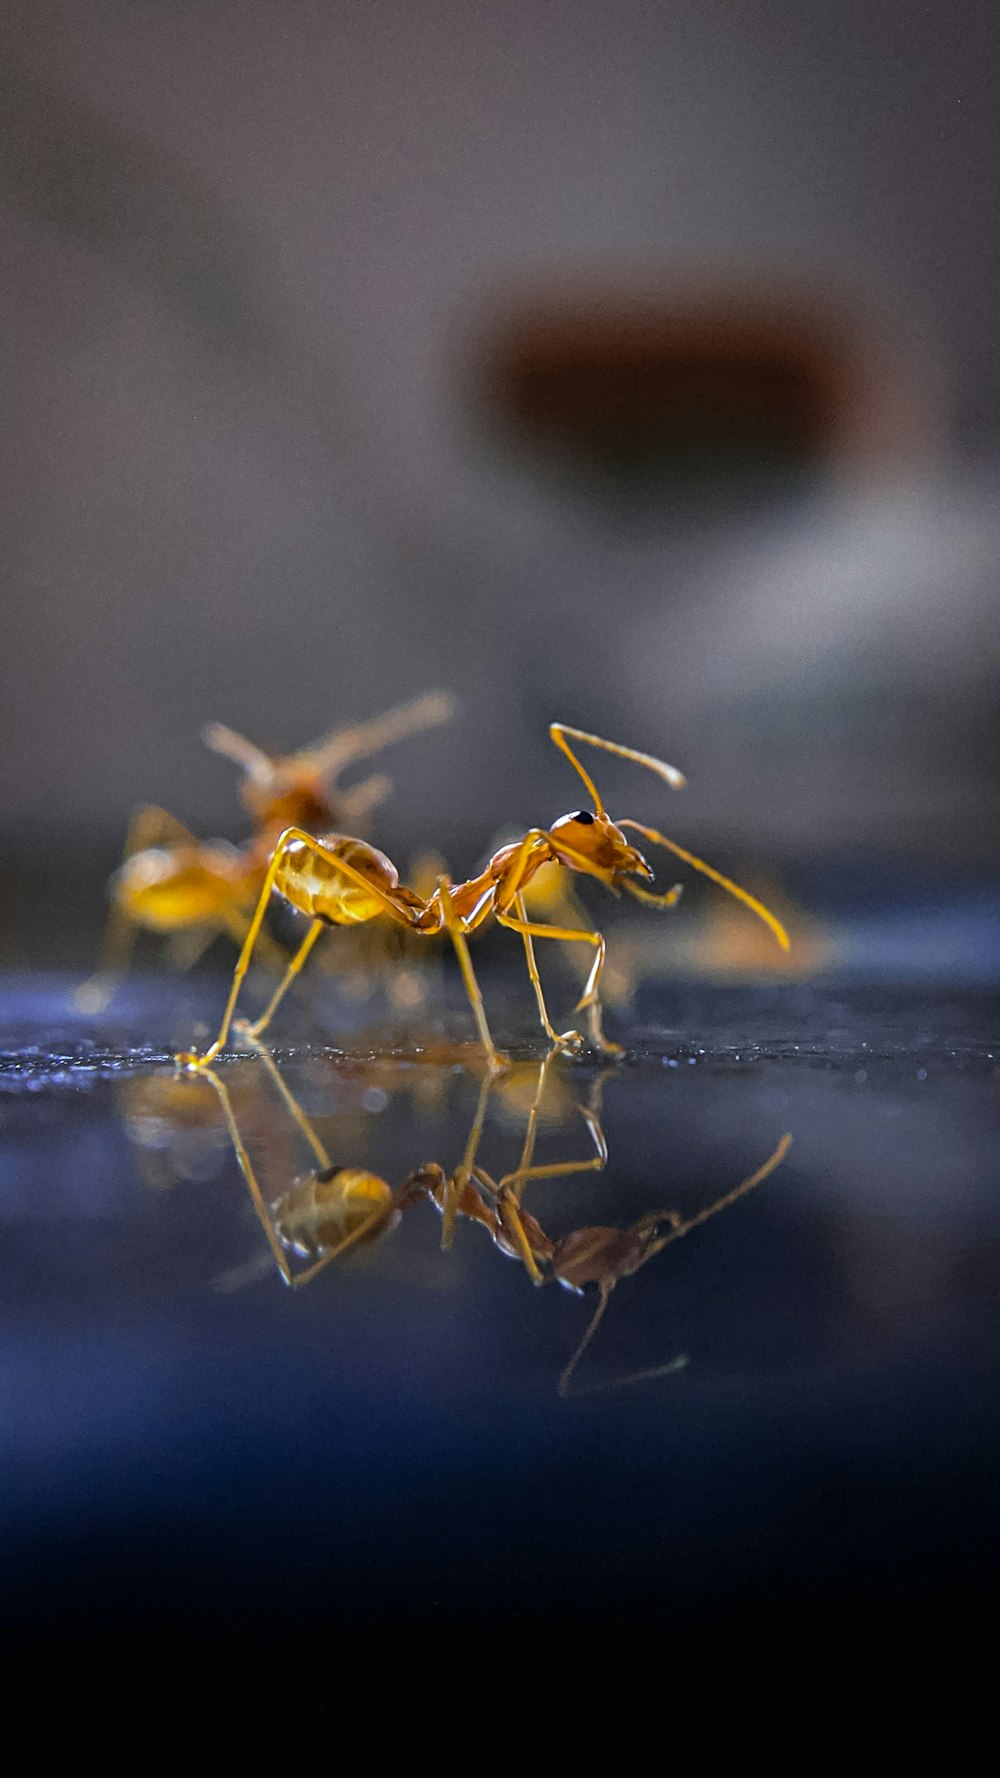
(183, 1435)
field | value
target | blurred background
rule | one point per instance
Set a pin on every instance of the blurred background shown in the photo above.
(627, 364)
(633, 365)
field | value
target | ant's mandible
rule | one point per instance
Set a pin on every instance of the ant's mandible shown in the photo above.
(341, 881)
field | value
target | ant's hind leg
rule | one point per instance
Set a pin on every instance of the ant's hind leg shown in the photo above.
(286, 981)
(187, 1058)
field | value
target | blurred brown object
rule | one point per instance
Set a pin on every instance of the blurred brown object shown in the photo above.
(711, 384)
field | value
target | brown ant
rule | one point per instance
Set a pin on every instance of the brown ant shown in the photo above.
(341, 881)
(189, 890)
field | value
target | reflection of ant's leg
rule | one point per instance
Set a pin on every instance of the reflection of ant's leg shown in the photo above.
(246, 1168)
(150, 826)
(286, 1095)
(463, 1172)
(461, 944)
(511, 1186)
(590, 999)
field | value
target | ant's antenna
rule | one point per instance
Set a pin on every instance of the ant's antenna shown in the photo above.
(707, 870)
(678, 1230)
(558, 732)
(331, 752)
(251, 759)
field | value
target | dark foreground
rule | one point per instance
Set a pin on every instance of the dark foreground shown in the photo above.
(787, 1417)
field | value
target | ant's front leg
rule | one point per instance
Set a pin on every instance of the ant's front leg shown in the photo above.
(569, 1042)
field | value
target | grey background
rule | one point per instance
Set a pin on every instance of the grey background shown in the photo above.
(249, 250)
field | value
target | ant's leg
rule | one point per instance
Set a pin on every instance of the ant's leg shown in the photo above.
(567, 1041)
(358, 802)
(286, 981)
(187, 1058)
(589, 999)
(589, 1332)
(399, 911)
(150, 826)
(494, 1058)
(185, 948)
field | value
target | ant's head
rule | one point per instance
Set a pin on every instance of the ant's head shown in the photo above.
(593, 844)
(276, 791)
(287, 802)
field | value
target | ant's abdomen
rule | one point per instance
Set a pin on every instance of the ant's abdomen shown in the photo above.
(313, 884)
(170, 888)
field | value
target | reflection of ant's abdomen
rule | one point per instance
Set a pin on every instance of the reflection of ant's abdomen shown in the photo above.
(322, 1211)
(313, 884)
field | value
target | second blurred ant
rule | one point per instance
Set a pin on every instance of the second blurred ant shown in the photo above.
(188, 891)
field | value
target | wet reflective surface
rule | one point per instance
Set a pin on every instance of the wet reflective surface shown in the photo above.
(790, 1409)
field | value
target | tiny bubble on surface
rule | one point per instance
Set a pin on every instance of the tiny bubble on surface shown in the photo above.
(921, 1074)
(374, 1099)
(861, 1076)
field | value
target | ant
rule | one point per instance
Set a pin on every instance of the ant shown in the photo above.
(341, 881)
(190, 890)
(333, 1209)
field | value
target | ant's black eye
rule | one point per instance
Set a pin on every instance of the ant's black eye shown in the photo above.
(585, 817)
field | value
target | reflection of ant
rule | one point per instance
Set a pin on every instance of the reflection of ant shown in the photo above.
(189, 890)
(340, 881)
(599, 1258)
(332, 1209)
